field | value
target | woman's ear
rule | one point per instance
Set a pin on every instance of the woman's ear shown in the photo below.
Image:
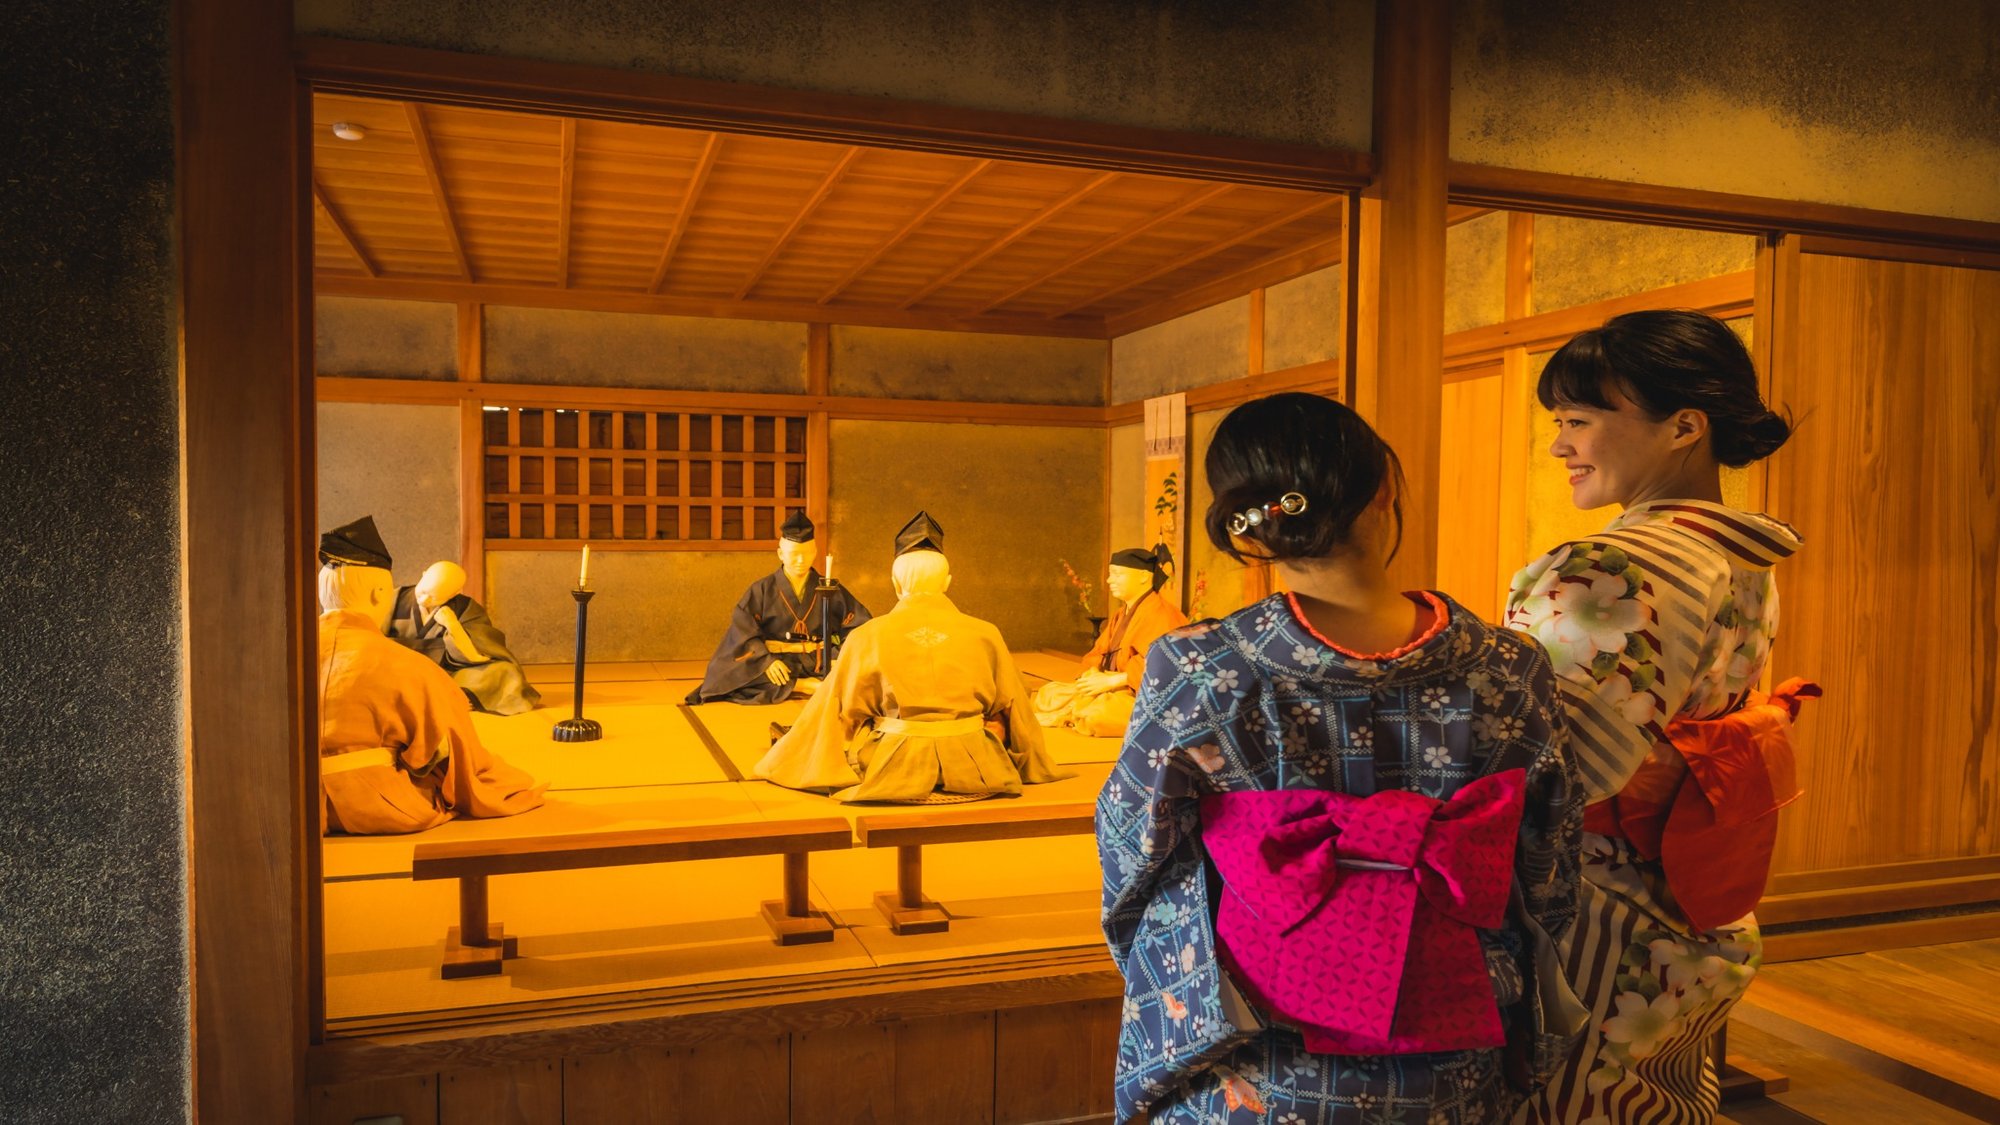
(1689, 427)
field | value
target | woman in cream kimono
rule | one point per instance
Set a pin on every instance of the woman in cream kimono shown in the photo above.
(1658, 627)
(1099, 701)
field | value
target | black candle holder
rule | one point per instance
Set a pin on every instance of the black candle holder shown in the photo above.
(576, 728)
(823, 659)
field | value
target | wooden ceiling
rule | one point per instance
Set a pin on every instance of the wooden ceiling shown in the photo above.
(522, 208)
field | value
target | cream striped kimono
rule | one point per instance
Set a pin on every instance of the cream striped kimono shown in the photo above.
(1669, 612)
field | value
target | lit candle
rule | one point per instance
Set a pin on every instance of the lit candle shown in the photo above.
(583, 575)
(829, 568)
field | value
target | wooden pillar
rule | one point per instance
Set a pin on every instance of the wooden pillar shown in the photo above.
(472, 450)
(1412, 121)
(245, 305)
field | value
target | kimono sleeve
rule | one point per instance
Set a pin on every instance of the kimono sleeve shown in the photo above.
(1158, 915)
(1623, 670)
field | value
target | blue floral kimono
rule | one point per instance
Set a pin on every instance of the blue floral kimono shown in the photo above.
(1257, 701)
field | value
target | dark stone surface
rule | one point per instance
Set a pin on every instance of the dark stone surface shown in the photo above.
(1287, 70)
(93, 934)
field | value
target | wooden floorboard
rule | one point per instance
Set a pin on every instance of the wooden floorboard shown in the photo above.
(1924, 1021)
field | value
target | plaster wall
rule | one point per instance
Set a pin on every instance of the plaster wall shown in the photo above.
(601, 349)
(1578, 261)
(1286, 70)
(374, 338)
(1893, 106)
(399, 464)
(1127, 488)
(650, 605)
(967, 366)
(1475, 272)
(1013, 501)
(1206, 346)
(1305, 318)
(93, 840)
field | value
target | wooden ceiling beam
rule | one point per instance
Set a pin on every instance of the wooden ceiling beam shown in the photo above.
(1114, 241)
(1185, 260)
(341, 228)
(427, 156)
(702, 167)
(565, 196)
(949, 193)
(826, 186)
(545, 295)
(1023, 230)
(1279, 266)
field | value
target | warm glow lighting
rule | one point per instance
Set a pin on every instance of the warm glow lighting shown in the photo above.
(829, 568)
(583, 574)
(348, 131)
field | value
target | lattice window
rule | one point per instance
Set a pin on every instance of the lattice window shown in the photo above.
(659, 477)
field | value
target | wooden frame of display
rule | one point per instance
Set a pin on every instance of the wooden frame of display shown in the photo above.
(244, 216)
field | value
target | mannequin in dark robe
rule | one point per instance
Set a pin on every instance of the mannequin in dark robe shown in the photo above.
(436, 619)
(784, 632)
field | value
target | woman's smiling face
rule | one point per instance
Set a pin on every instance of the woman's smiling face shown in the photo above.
(1618, 456)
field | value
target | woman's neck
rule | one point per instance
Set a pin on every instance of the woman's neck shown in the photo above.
(1700, 478)
(1352, 602)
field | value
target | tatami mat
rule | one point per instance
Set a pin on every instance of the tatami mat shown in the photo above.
(744, 732)
(644, 743)
(1048, 665)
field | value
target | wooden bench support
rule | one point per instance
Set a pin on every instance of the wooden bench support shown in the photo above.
(481, 956)
(793, 920)
(906, 909)
(477, 946)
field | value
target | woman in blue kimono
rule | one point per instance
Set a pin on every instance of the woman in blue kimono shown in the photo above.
(1340, 841)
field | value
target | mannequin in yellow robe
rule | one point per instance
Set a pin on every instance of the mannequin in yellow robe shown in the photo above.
(1099, 701)
(398, 752)
(923, 706)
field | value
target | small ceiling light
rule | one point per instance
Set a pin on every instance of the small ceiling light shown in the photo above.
(348, 131)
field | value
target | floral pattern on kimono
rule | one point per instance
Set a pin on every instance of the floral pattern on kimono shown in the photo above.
(1256, 701)
(1668, 613)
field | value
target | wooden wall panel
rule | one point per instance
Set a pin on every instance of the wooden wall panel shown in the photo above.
(1054, 1062)
(844, 1076)
(944, 1069)
(1469, 567)
(528, 1093)
(1893, 604)
(414, 1099)
(745, 1082)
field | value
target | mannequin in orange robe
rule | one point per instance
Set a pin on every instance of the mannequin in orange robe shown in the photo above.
(398, 752)
(1099, 701)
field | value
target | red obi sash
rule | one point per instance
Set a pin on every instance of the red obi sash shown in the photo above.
(1713, 838)
(1352, 918)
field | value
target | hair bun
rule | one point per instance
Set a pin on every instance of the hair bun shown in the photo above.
(1754, 440)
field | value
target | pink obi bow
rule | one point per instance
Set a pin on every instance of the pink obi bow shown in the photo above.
(1352, 918)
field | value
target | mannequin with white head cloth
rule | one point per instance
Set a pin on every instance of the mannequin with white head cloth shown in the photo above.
(924, 705)
(398, 752)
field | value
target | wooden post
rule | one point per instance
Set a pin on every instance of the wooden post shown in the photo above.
(797, 902)
(910, 875)
(244, 211)
(472, 909)
(1412, 126)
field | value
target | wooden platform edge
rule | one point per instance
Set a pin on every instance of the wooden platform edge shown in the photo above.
(698, 1014)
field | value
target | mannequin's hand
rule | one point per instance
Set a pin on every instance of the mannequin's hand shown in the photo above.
(778, 672)
(461, 643)
(1097, 683)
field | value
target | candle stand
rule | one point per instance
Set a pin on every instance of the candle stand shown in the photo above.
(576, 728)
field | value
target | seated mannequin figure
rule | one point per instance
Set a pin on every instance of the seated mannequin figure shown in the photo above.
(437, 619)
(398, 752)
(784, 632)
(1099, 701)
(924, 706)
